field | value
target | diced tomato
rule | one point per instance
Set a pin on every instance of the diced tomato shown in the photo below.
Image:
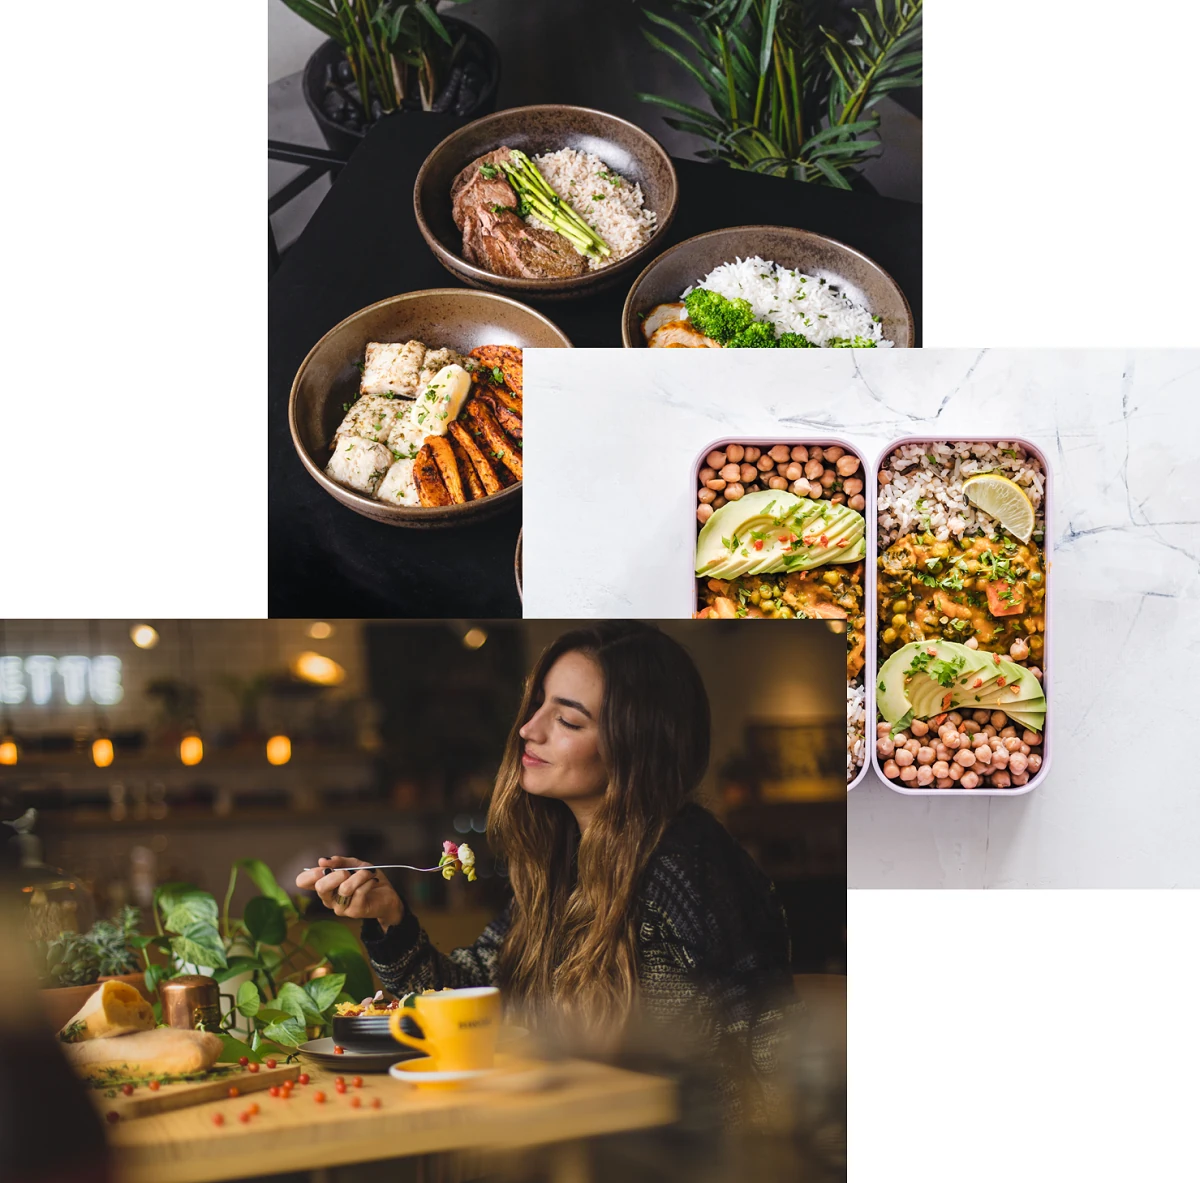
(1001, 680)
(758, 545)
(977, 683)
(947, 698)
(1004, 598)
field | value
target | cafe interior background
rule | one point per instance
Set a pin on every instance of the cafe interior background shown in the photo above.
(164, 751)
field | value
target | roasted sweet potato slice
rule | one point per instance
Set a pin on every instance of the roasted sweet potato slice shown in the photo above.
(431, 489)
(496, 442)
(509, 420)
(483, 467)
(475, 489)
(443, 456)
(505, 358)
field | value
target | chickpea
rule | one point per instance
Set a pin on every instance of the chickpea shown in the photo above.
(1012, 744)
(883, 729)
(858, 501)
(996, 744)
(731, 472)
(748, 474)
(719, 502)
(777, 482)
(716, 483)
(1019, 649)
(970, 780)
(937, 721)
(1001, 780)
(965, 757)
(1034, 762)
(813, 469)
(706, 495)
(832, 579)
(901, 737)
(956, 771)
(752, 454)
(979, 740)
(1020, 778)
(833, 452)
(707, 474)
(1008, 732)
(780, 452)
(913, 745)
(715, 459)
(971, 643)
(943, 782)
(955, 718)
(942, 752)
(990, 732)
(885, 477)
(953, 740)
(847, 465)
(816, 453)
(735, 452)
(884, 747)
(908, 772)
(1024, 749)
(1018, 762)
(925, 755)
(924, 775)
(838, 499)
(941, 768)
(703, 513)
(765, 463)
(983, 755)
(891, 769)
(800, 452)
(999, 719)
(903, 757)
(852, 486)
(1032, 738)
(815, 490)
(827, 479)
(1036, 672)
(981, 717)
(794, 471)
(889, 635)
(734, 492)
(919, 728)
(800, 488)
(969, 726)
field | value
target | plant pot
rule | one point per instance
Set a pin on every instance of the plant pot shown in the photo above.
(61, 1002)
(343, 139)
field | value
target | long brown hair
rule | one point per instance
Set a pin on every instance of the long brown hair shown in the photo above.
(572, 943)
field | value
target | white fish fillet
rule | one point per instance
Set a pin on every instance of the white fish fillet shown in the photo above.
(392, 367)
(359, 463)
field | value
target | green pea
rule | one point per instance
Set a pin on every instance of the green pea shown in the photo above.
(889, 635)
(899, 620)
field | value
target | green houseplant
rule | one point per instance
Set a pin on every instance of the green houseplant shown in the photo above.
(277, 1005)
(792, 83)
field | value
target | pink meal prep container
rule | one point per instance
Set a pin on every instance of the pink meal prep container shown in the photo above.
(1048, 548)
(869, 487)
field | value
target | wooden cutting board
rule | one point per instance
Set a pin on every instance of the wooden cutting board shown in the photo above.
(145, 1101)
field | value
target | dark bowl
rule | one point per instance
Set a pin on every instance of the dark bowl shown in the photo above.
(862, 279)
(441, 317)
(369, 1031)
(626, 149)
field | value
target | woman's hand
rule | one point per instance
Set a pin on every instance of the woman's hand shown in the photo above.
(360, 895)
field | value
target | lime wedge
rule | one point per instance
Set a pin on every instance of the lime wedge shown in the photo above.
(1004, 500)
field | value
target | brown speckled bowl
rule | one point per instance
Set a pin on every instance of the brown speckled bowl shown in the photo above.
(441, 317)
(626, 149)
(862, 279)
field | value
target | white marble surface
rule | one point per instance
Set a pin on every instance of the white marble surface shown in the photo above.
(611, 437)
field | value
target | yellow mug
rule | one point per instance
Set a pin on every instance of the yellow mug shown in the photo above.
(460, 1027)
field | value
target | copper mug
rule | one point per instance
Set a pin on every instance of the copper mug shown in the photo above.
(192, 1001)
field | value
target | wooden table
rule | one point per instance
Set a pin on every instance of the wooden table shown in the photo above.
(575, 1100)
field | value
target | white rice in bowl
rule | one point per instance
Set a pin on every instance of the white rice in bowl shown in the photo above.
(793, 302)
(856, 729)
(606, 201)
(921, 489)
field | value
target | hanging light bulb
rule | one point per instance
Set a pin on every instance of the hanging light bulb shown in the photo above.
(313, 667)
(475, 638)
(8, 750)
(191, 749)
(279, 749)
(144, 636)
(102, 751)
(320, 630)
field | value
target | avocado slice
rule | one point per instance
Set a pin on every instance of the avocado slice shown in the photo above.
(1018, 688)
(914, 681)
(843, 529)
(1034, 719)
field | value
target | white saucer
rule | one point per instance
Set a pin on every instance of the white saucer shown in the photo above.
(416, 1072)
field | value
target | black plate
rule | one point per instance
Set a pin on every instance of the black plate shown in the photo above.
(363, 1058)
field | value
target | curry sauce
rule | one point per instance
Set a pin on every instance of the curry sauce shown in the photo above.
(989, 588)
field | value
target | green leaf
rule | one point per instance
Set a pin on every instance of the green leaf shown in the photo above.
(269, 1014)
(143, 942)
(238, 965)
(154, 974)
(189, 907)
(768, 37)
(288, 1032)
(324, 991)
(263, 878)
(248, 1002)
(297, 1003)
(200, 944)
(265, 920)
(232, 1050)
(328, 936)
(359, 981)
(434, 23)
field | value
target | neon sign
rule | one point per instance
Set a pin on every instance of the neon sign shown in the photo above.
(43, 681)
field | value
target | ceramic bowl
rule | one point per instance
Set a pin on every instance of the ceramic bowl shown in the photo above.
(441, 317)
(862, 279)
(626, 149)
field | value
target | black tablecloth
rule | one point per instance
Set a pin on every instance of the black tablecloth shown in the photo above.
(363, 245)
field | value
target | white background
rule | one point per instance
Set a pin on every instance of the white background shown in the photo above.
(1047, 1037)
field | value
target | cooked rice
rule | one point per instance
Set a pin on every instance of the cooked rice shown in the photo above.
(856, 728)
(618, 216)
(792, 301)
(926, 493)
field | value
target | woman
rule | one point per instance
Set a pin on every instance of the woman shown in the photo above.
(632, 908)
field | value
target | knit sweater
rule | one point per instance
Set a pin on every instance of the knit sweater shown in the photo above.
(712, 947)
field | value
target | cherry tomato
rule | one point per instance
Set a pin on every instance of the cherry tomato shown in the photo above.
(355, 1102)
(127, 1089)
(357, 1082)
(376, 1103)
(319, 1097)
(155, 1085)
(244, 1117)
(218, 1119)
(251, 1067)
(339, 1080)
(234, 1091)
(302, 1078)
(243, 1060)
(253, 1110)
(112, 1117)
(340, 1086)
(274, 1090)
(338, 1051)
(271, 1063)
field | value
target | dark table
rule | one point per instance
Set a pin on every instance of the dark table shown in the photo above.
(363, 245)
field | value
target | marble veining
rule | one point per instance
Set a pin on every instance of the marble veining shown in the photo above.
(611, 438)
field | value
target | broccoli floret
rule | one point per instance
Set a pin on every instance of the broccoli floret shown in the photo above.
(851, 343)
(717, 317)
(794, 341)
(758, 335)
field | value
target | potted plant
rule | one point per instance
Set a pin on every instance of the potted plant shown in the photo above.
(791, 93)
(74, 963)
(384, 56)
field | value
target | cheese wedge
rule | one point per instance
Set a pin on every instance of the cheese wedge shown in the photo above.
(165, 1051)
(115, 1008)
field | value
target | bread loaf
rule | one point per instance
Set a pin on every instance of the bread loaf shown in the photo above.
(115, 1008)
(165, 1051)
